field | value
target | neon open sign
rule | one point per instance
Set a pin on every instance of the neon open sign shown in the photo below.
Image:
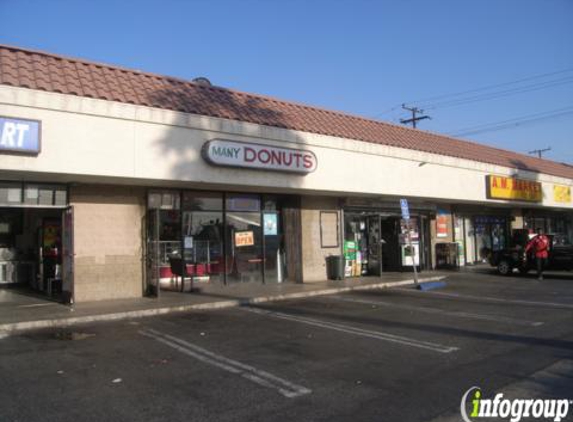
(222, 152)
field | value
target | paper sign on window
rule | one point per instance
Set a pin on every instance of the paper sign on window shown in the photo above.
(246, 238)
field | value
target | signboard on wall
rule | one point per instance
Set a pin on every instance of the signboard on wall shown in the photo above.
(442, 223)
(221, 152)
(246, 238)
(19, 135)
(510, 188)
(562, 194)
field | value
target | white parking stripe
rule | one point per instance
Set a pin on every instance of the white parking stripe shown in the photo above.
(489, 299)
(263, 378)
(359, 331)
(470, 315)
(37, 305)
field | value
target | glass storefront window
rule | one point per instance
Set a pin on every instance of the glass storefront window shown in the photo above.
(203, 244)
(270, 203)
(222, 237)
(243, 202)
(169, 226)
(202, 201)
(45, 196)
(491, 234)
(558, 225)
(164, 200)
(60, 197)
(10, 193)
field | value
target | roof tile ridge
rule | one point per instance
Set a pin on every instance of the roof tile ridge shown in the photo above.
(480, 145)
(168, 78)
(112, 67)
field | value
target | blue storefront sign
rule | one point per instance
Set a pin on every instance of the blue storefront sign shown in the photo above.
(19, 135)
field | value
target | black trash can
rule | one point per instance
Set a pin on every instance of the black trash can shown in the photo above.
(335, 267)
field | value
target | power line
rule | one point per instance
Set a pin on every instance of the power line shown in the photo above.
(489, 87)
(485, 88)
(499, 94)
(513, 119)
(516, 121)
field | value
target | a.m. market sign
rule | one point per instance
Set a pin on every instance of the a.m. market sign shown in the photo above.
(221, 152)
(510, 188)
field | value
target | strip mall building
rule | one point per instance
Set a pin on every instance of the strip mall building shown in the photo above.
(107, 172)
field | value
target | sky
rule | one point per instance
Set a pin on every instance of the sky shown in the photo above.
(470, 65)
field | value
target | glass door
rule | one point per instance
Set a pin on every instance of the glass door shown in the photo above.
(203, 236)
(274, 256)
(244, 238)
(152, 259)
(470, 242)
(68, 256)
(374, 245)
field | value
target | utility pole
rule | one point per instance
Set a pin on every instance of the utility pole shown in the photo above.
(539, 152)
(414, 119)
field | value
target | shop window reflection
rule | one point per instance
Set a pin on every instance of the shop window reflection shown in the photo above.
(203, 244)
(244, 247)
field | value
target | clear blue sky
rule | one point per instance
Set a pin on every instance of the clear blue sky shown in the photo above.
(361, 57)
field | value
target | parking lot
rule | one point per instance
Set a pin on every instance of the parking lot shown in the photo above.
(392, 355)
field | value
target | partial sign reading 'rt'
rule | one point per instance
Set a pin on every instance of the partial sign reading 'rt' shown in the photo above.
(19, 135)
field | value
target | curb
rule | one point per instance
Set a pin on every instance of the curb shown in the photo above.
(17, 327)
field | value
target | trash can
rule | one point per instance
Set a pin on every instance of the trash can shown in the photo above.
(335, 267)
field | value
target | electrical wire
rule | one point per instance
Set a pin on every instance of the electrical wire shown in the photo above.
(429, 101)
(489, 87)
(517, 121)
(499, 94)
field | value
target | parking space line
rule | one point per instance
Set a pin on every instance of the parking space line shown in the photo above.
(358, 331)
(488, 299)
(37, 305)
(459, 314)
(263, 378)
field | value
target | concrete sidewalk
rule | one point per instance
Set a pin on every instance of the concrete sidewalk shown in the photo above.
(20, 311)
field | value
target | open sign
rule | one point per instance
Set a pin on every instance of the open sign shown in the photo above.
(246, 238)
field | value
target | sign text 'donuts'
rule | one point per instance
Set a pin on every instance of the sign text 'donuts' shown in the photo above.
(223, 152)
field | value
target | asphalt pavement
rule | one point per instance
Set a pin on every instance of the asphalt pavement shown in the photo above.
(381, 355)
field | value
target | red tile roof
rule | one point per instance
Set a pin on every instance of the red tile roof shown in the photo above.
(42, 71)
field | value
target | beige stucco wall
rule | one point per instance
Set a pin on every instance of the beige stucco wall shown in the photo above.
(107, 241)
(92, 140)
(313, 254)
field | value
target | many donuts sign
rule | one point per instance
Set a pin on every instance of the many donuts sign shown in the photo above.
(221, 152)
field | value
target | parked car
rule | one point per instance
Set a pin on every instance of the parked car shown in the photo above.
(506, 260)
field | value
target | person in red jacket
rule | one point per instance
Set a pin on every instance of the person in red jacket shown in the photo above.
(539, 246)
